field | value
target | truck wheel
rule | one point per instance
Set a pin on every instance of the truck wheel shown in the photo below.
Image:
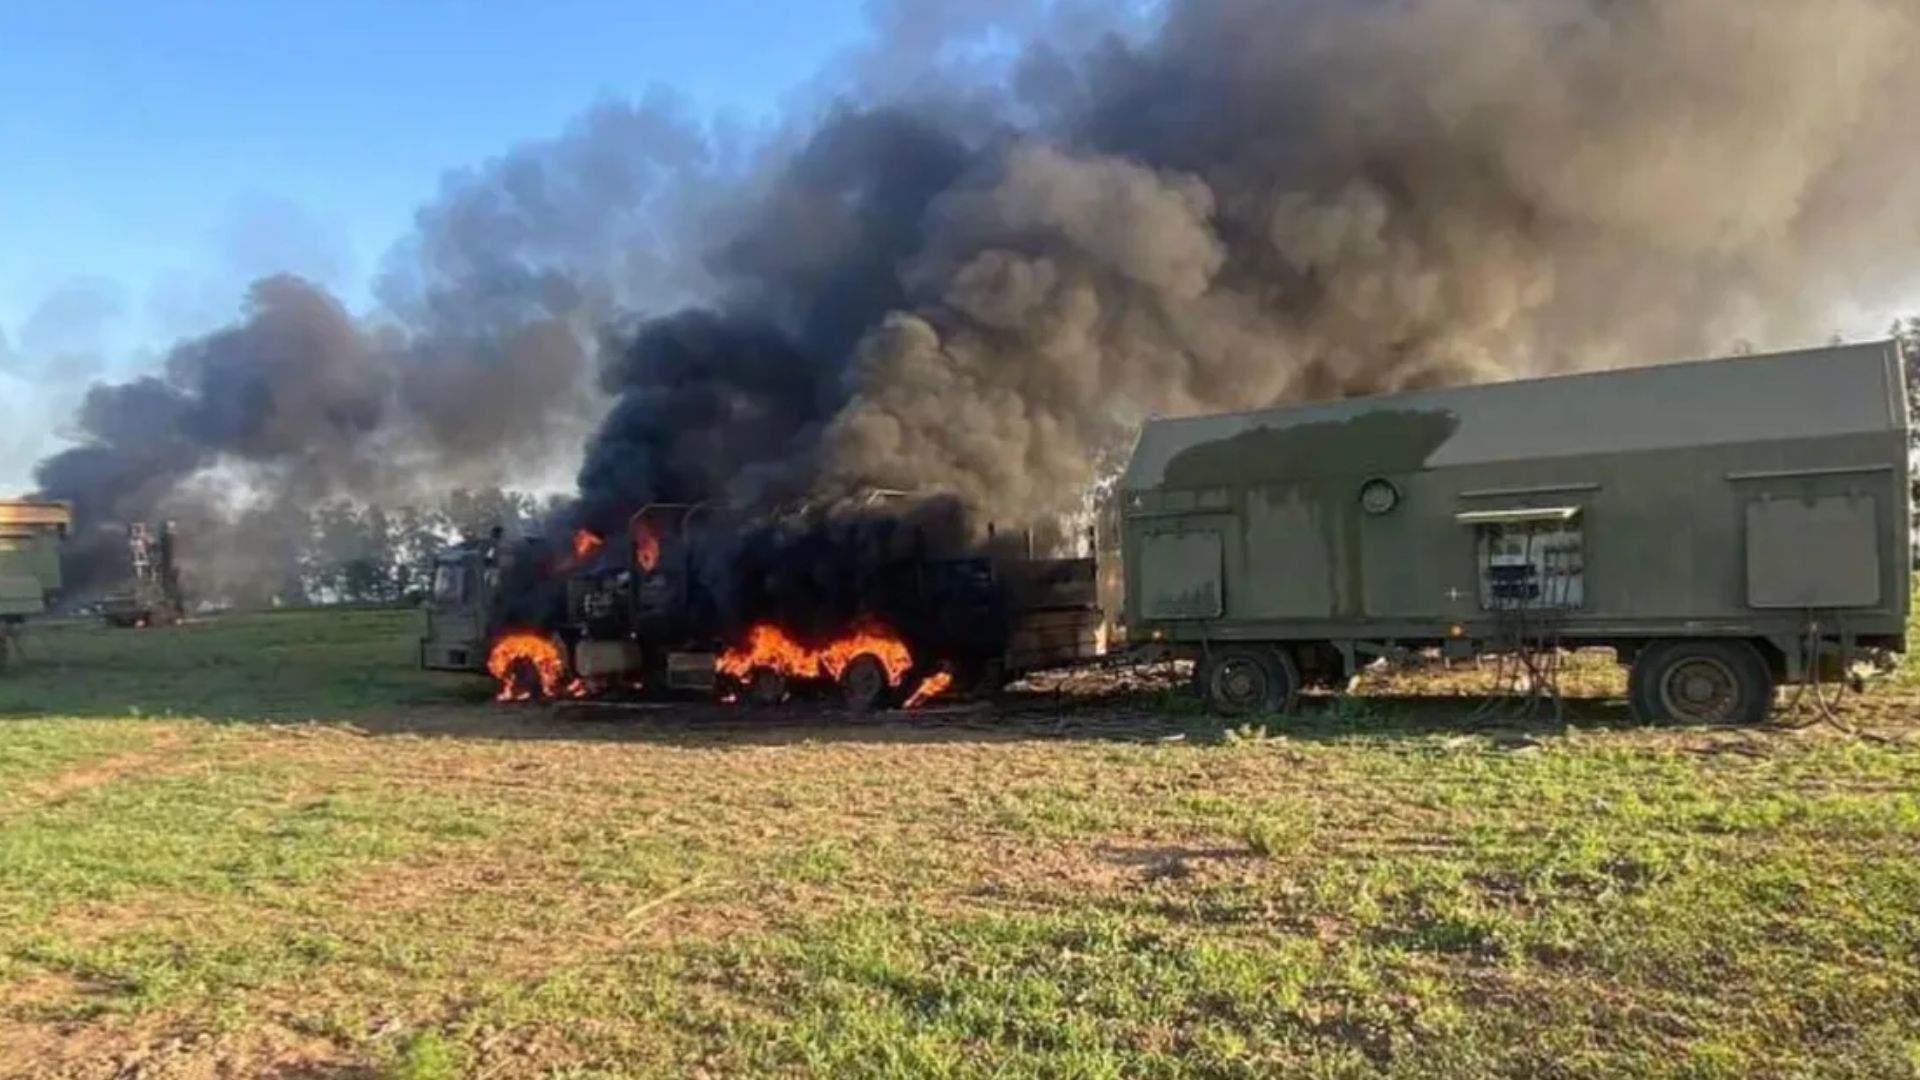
(523, 682)
(865, 683)
(1245, 680)
(766, 688)
(1700, 682)
(993, 677)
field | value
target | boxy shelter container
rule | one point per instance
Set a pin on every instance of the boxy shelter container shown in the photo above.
(1726, 525)
(30, 538)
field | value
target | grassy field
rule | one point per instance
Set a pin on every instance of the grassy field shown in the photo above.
(265, 846)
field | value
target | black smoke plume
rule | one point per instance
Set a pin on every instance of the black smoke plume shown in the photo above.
(981, 292)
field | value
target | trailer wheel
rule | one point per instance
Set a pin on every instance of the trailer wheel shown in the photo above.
(1700, 682)
(865, 683)
(1245, 680)
(766, 688)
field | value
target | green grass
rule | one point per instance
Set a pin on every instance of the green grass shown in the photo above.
(391, 880)
(283, 666)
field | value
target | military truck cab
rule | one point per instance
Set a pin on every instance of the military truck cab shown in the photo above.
(459, 610)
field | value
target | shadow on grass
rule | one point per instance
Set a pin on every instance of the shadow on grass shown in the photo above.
(1140, 719)
(358, 667)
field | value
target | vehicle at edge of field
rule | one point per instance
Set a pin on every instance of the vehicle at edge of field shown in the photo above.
(152, 595)
(31, 534)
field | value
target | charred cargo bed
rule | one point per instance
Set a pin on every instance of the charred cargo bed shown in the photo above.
(1725, 525)
(977, 620)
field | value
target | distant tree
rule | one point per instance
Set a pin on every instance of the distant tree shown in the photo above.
(363, 580)
(348, 552)
(351, 558)
(417, 537)
(371, 576)
(473, 513)
(258, 562)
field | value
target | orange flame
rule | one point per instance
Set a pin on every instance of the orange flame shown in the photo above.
(646, 550)
(770, 647)
(513, 652)
(585, 544)
(931, 687)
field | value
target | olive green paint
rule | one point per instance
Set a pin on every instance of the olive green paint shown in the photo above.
(1663, 464)
(1389, 441)
(30, 538)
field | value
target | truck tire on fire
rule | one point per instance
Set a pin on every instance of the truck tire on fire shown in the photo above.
(865, 684)
(523, 681)
(766, 688)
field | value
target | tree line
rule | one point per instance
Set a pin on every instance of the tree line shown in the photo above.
(343, 552)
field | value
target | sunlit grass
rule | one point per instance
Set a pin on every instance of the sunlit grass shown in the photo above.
(513, 895)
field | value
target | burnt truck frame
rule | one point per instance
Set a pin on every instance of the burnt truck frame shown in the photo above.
(637, 611)
(1726, 526)
(152, 595)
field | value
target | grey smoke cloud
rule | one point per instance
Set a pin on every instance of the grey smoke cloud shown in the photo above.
(478, 368)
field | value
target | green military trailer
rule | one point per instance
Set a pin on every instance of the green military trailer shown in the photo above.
(30, 537)
(1726, 526)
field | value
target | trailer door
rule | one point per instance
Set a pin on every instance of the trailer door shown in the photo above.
(1813, 553)
(1180, 575)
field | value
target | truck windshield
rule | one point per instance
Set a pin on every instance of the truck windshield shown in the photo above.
(449, 583)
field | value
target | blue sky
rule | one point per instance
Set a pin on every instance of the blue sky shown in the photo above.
(154, 156)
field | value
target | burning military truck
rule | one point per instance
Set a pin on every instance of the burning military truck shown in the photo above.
(1724, 526)
(693, 599)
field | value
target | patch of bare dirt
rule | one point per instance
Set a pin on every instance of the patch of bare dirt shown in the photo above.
(61, 785)
(149, 1049)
